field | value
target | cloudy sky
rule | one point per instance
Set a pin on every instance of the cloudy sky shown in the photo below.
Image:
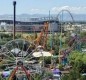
(43, 6)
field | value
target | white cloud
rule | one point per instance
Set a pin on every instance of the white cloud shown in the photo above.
(72, 9)
(38, 11)
(34, 10)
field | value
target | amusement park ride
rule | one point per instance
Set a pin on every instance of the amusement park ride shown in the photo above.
(15, 53)
(74, 44)
(19, 52)
(42, 38)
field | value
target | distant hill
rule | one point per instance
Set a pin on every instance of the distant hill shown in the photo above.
(26, 17)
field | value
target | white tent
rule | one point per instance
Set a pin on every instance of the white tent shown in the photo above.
(43, 53)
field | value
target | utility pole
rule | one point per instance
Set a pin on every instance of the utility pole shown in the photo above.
(14, 18)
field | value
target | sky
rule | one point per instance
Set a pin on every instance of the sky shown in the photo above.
(42, 6)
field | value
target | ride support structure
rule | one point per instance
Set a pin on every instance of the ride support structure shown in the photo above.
(15, 70)
(42, 38)
(72, 44)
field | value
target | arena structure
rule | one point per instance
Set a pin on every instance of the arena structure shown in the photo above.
(34, 24)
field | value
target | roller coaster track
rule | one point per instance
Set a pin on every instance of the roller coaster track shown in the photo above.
(69, 14)
(72, 45)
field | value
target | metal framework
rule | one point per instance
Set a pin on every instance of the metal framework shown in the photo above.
(42, 38)
(16, 52)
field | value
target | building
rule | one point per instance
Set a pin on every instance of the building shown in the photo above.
(77, 27)
(30, 26)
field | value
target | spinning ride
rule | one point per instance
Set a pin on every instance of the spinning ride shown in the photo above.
(17, 54)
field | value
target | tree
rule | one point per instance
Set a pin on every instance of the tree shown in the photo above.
(78, 62)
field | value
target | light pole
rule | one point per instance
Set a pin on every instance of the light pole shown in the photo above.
(14, 18)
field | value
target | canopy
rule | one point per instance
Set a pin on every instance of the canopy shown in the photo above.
(43, 53)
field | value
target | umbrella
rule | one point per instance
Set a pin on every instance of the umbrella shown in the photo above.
(43, 53)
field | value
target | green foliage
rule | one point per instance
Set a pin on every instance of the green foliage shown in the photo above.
(49, 74)
(73, 75)
(47, 60)
(5, 37)
(60, 67)
(53, 42)
(84, 59)
(83, 77)
(1, 78)
(65, 77)
(2, 67)
(77, 56)
(2, 42)
(83, 34)
(18, 36)
(78, 62)
(37, 77)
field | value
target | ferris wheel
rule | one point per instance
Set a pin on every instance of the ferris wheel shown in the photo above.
(18, 54)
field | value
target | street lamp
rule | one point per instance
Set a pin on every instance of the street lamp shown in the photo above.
(14, 19)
